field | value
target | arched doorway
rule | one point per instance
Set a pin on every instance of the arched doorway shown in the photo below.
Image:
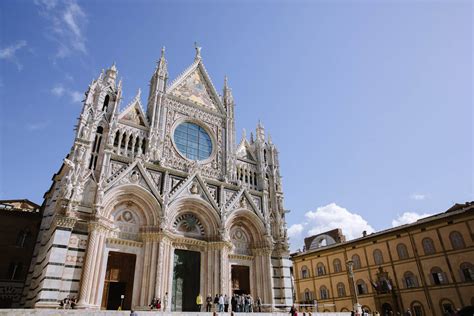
(386, 309)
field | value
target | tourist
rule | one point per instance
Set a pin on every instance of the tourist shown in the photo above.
(226, 303)
(408, 312)
(165, 301)
(73, 302)
(216, 303)
(158, 304)
(221, 303)
(199, 302)
(293, 311)
(208, 303)
(133, 313)
(153, 303)
(259, 304)
(250, 303)
(246, 303)
(233, 303)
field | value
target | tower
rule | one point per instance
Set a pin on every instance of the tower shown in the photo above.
(147, 193)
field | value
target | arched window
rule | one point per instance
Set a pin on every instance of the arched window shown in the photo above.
(467, 272)
(304, 272)
(321, 269)
(378, 257)
(417, 308)
(337, 265)
(324, 293)
(410, 280)
(361, 287)
(344, 309)
(447, 306)
(457, 242)
(96, 148)
(366, 308)
(106, 103)
(116, 139)
(341, 289)
(15, 271)
(428, 246)
(438, 276)
(356, 261)
(307, 295)
(23, 238)
(402, 251)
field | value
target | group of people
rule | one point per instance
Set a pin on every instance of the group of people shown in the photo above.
(68, 302)
(156, 303)
(239, 303)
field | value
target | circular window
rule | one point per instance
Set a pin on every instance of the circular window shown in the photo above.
(192, 141)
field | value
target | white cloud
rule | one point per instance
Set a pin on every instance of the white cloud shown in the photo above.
(295, 230)
(408, 217)
(67, 22)
(418, 197)
(9, 53)
(76, 96)
(58, 90)
(334, 216)
(37, 126)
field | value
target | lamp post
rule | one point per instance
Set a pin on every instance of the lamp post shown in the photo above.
(121, 301)
(350, 266)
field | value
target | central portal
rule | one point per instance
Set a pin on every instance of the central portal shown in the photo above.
(240, 279)
(186, 280)
(118, 286)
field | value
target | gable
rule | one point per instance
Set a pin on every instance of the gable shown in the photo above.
(133, 116)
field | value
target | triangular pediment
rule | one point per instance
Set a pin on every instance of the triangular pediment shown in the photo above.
(244, 200)
(195, 186)
(195, 86)
(244, 151)
(133, 115)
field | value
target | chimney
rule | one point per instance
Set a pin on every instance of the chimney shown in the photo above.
(364, 233)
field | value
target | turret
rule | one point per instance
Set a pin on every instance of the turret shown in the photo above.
(157, 90)
(228, 101)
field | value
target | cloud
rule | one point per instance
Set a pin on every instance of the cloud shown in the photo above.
(418, 197)
(334, 216)
(76, 96)
(37, 126)
(407, 218)
(9, 53)
(67, 23)
(58, 90)
(326, 218)
(295, 230)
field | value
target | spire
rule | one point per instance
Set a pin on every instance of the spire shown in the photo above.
(161, 65)
(138, 95)
(111, 74)
(227, 96)
(198, 51)
(244, 134)
(260, 132)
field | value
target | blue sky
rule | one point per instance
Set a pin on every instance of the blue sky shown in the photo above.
(369, 102)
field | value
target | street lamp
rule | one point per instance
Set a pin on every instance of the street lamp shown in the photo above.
(121, 301)
(350, 266)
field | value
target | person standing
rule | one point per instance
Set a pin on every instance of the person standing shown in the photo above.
(226, 303)
(259, 304)
(199, 302)
(165, 302)
(208, 303)
(221, 303)
(216, 302)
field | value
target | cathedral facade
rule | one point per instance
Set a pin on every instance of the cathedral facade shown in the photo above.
(162, 203)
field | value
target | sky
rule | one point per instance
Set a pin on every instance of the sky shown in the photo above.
(369, 102)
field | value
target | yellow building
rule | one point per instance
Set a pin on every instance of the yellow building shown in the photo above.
(426, 266)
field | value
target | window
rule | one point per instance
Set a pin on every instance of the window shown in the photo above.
(467, 272)
(96, 148)
(457, 242)
(378, 257)
(356, 261)
(321, 269)
(428, 246)
(307, 295)
(402, 251)
(304, 272)
(23, 238)
(337, 265)
(438, 276)
(410, 280)
(417, 309)
(324, 293)
(341, 289)
(361, 287)
(447, 307)
(106, 103)
(192, 141)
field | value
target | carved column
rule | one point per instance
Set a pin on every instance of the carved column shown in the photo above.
(91, 268)
(268, 273)
(161, 265)
(224, 268)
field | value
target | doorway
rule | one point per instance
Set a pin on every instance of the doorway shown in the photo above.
(186, 280)
(118, 283)
(386, 308)
(240, 279)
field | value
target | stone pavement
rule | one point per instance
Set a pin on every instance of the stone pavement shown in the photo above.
(75, 312)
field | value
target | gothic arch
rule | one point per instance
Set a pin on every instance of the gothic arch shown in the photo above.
(146, 206)
(250, 221)
(203, 211)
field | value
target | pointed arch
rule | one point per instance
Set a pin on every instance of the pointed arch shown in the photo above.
(147, 206)
(250, 221)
